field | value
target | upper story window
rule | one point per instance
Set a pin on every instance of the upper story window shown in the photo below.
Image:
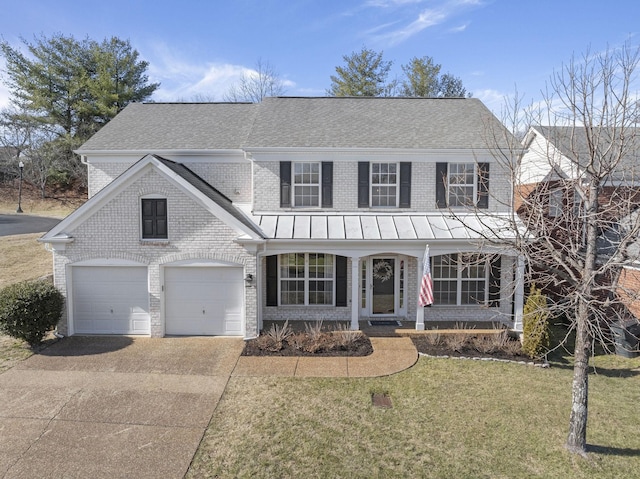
(384, 184)
(306, 184)
(556, 199)
(461, 187)
(154, 218)
(462, 184)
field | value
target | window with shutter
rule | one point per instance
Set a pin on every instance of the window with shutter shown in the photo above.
(154, 218)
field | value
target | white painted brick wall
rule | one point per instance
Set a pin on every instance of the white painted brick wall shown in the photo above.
(114, 232)
(345, 188)
(232, 179)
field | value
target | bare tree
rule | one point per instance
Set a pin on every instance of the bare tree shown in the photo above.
(257, 84)
(577, 198)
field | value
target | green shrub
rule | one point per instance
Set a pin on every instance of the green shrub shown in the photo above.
(535, 333)
(29, 309)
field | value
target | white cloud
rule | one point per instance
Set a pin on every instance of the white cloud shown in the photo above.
(426, 18)
(460, 28)
(184, 81)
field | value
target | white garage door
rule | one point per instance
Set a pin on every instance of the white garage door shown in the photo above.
(110, 300)
(204, 300)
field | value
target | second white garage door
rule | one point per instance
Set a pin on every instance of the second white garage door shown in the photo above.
(204, 300)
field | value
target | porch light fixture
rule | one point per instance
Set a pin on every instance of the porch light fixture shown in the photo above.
(249, 278)
(21, 166)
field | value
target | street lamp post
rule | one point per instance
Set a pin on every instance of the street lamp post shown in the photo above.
(21, 166)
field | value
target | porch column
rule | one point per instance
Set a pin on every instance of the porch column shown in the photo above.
(518, 294)
(355, 292)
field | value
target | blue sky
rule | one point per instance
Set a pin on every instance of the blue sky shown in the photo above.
(202, 47)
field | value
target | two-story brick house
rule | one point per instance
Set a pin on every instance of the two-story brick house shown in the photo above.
(551, 181)
(211, 218)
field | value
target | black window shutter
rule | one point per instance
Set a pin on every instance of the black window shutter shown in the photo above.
(483, 185)
(285, 184)
(327, 184)
(154, 218)
(363, 184)
(272, 280)
(405, 185)
(441, 186)
(341, 280)
(494, 281)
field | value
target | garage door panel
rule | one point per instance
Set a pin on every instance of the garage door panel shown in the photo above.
(110, 300)
(204, 300)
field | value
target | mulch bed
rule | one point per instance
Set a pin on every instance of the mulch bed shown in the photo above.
(425, 346)
(359, 347)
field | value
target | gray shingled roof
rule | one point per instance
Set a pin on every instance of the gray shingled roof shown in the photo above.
(372, 122)
(281, 122)
(572, 142)
(175, 126)
(209, 191)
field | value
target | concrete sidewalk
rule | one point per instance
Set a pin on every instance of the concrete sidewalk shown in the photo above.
(390, 355)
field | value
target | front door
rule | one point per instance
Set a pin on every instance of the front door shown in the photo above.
(383, 299)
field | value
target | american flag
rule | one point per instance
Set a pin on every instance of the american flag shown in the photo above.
(426, 286)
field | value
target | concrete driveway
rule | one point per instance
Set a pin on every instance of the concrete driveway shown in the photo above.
(112, 406)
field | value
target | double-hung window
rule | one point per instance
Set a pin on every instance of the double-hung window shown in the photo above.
(466, 279)
(462, 185)
(384, 184)
(307, 279)
(556, 198)
(306, 184)
(461, 189)
(154, 218)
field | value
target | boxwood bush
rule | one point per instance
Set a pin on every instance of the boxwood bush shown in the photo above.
(29, 309)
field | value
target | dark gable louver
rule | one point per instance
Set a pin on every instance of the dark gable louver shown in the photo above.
(341, 281)
(405, 185)
(285, 184)
(327, 184)
(483, 185)
(363, 184)
(441, 185)
(272, 280)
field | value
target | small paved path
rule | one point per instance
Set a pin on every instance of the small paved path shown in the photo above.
(390, 355)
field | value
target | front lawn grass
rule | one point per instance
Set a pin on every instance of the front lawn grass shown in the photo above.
(23, 258)
(450, 419)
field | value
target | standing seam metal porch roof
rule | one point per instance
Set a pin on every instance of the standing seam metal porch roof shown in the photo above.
(429, 227)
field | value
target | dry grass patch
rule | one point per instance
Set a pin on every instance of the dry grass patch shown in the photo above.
(449, 419)
(12, 351)
(23, 258)
(57, 205)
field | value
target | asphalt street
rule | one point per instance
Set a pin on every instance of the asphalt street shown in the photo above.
(23, 224)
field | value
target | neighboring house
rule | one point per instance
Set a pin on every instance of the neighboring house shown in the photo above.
(207, 219)
(551, 177)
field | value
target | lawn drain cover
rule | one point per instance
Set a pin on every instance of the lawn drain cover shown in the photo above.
(381, 400)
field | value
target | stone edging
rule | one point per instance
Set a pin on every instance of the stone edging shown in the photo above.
(544, 365)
